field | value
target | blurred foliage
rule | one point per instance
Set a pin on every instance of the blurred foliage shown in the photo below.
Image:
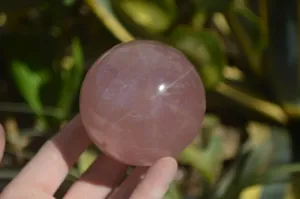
(246, 53)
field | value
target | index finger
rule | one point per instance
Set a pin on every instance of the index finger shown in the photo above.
(47, 170)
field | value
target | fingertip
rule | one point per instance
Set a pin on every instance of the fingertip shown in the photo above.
(168, 167)
(169, 162)
(157, 180)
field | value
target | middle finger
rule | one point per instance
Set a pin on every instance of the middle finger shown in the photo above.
(99, 180)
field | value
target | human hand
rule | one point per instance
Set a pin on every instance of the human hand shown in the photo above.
(43, 175)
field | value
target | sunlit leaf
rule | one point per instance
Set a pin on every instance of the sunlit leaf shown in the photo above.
(85, 160)
(254, 103)
(103, 9)
(29, 83)
(199, 19)
(144, 16)
(221, 23)
(257, 192)
(251, 192)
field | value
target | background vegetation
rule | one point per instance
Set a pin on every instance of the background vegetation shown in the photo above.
(245, 51)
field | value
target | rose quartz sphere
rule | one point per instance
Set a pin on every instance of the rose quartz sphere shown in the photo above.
(141, 101)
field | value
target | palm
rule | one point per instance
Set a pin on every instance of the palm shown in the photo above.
(43, 175)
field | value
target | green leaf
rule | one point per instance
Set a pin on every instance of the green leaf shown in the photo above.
(146, 17)
(173, 192)
(71, 78)
(36, 52)
(69, 2)
(213, 157)
(206, 161)
(103, 9)
(252, 161)
(29, 83)
(200, 160)
(199, 20)
(256, 163)
(276, 173)
(251, 105)
(281, 156)
(249, 33)
(270, 150)
(225, 184)
(221, 23)
(85, 160)
(253, 28)
(205, 50)
(31, 58)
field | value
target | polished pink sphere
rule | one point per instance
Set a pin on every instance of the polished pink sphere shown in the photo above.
(141, 101)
